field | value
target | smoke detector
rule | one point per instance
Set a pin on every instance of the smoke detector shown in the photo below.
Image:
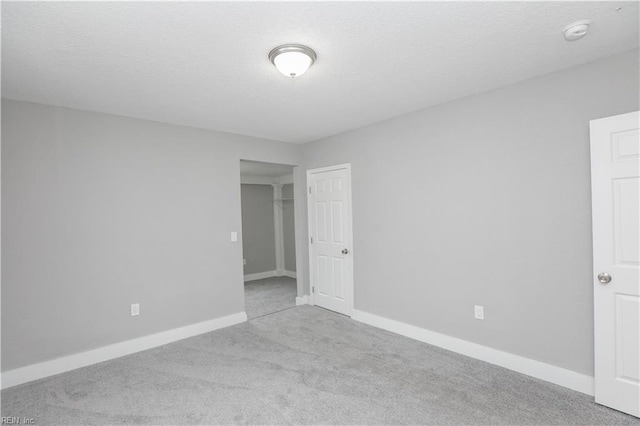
(576, 30)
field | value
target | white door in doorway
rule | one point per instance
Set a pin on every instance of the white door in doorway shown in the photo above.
(330, 238)
(615, 183)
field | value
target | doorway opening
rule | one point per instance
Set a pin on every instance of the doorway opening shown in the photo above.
(268, 237)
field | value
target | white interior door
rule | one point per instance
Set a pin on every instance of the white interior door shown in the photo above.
(615, 175)
(330, 238)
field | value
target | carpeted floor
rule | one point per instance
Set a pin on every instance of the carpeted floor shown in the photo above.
(262, 297)
(302, 365)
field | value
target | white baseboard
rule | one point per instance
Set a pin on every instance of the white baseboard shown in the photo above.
(540, 370)
(260, 275)
(269, 274)
(71, 362)
(304, 300)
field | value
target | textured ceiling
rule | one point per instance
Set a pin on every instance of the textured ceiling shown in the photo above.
(205, 64)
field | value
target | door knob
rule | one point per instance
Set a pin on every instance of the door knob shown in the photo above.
(345, 251)
(604, 278)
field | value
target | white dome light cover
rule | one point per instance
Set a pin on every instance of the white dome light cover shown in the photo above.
(292, 60)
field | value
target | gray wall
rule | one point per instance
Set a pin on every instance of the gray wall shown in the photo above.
(258, 239)
(485, 200)
(101, 211)
(288, 228)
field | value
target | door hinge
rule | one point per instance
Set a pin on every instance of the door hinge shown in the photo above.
(309, 190)
(313, 289)
(311, 240)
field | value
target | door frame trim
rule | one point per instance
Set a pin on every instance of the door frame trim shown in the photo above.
(346, 166)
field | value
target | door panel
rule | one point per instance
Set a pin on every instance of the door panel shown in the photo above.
(336, 221)
(321, 222)
(338, 279)
(626, 214)
(330, 238)
(615, 183)
(626, 145)
(627, 341)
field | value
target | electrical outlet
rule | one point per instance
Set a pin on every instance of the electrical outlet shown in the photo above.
(135, 309)
(244, 261)
(479, 312)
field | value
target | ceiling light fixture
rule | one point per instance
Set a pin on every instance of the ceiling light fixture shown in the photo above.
(292, 60)
(576, 30)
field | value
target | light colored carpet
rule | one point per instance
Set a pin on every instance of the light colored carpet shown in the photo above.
(302, 365)
(262, 297)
